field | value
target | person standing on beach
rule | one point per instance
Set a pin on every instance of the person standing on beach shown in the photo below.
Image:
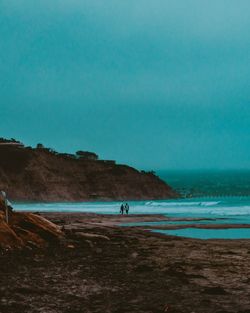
(126, 208)
(122, 209)
(6, 205)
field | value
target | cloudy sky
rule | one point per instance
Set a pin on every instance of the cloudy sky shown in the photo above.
(156, 84)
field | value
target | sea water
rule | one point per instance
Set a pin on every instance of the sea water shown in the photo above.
(214, 183)
(203, 233)
(223, 210)
(221, 196)
(223, 207)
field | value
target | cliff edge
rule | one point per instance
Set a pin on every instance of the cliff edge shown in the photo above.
(41, 174)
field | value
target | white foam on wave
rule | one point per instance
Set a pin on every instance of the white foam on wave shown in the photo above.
(180, 203)
(211, 203)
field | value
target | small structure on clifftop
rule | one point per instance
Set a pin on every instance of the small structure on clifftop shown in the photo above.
(87, 155)
(40, 146)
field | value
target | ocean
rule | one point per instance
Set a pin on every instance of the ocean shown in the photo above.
(205, 183)
(223, 197)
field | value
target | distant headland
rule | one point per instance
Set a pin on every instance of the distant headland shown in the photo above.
(42, 174)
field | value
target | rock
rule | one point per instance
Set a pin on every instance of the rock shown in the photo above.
(71, 246)
(215, 291)
(134, 255)
(90, 243)
(90, 236)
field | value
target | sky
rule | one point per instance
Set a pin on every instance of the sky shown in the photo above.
(156, 84)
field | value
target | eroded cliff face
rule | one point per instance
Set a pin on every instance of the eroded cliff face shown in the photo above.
(28, 174)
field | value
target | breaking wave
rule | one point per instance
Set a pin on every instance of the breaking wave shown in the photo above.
(180, 203)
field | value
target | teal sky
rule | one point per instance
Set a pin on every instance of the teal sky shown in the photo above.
(156, 84)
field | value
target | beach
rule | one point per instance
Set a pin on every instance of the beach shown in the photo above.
(124, 156)
(100, 266)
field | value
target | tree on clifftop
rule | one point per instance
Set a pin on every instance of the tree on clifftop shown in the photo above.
(86, 155)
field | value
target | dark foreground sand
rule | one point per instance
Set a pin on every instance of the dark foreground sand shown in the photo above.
(101, 267)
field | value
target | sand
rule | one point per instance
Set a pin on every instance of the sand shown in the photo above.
(102, 267)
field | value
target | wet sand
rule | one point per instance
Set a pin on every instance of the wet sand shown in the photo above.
(102, 267)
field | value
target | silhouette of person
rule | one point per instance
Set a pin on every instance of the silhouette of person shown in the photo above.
(126, 208)
(6, 205)
(122, 209)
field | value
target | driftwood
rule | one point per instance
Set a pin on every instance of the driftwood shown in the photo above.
(26, 229)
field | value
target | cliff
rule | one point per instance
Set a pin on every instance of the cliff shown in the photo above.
(41, 174)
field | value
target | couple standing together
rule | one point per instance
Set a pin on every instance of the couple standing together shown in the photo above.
(124, 208)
